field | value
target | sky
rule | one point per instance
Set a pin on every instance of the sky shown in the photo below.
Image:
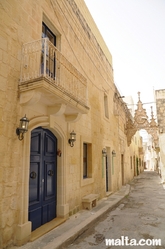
(134, 31)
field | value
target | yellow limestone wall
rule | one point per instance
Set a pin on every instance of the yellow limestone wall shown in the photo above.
(80, 42)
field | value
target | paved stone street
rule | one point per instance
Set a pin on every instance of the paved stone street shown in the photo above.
(140, 215)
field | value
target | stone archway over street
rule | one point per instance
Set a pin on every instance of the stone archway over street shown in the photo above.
(140, 121)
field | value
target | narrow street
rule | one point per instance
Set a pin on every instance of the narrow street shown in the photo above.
(141, 215)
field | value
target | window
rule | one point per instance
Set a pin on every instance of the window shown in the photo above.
(87, 160)
(106, 106)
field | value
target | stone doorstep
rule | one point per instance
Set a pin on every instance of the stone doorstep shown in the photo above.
(46, 228)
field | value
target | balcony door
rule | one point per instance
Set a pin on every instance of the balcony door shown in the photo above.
(42, 177)
(50, 52)
(46, 32)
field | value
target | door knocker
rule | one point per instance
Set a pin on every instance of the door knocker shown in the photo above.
(33, 175)
(50, 172)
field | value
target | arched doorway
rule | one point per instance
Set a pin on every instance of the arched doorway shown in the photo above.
(42, 177)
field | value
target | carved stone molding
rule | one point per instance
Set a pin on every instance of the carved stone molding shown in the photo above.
(141, 122)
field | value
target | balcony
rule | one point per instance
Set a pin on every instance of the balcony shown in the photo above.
(49, 79)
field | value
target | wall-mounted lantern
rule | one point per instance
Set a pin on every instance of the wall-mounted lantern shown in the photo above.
(113, 153)
(72, 138)
(104, 152)
(23, 127)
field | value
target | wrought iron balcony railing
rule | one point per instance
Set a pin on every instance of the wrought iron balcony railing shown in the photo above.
(41, 59)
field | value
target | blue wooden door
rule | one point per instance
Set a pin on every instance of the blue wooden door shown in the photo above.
(42, 177)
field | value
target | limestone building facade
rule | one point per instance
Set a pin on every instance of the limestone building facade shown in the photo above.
(160, 108)
(56, 69)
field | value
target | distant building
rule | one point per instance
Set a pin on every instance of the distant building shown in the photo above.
(150, 155)
(160, 107)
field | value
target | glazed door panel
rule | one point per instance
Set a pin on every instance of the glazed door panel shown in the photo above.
(42, 178)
